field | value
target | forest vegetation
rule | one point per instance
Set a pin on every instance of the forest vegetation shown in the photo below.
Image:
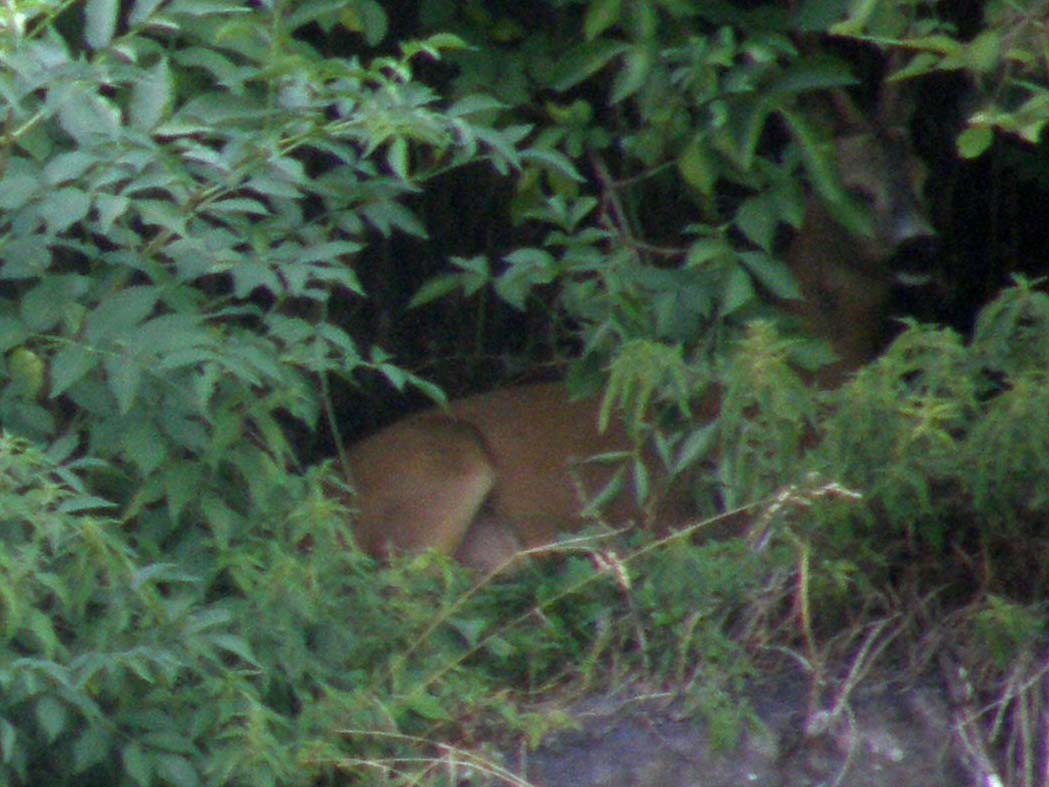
(236, 237)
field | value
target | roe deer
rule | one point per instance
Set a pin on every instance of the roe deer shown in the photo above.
(844, 279)
(494, 473)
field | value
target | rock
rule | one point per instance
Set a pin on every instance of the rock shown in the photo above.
(883, 736)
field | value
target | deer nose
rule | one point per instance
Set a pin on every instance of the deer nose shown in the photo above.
(909, 224)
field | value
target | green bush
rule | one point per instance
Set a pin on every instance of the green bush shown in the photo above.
(184, 189)
(187, 192)
(115, 670)
(183, 193)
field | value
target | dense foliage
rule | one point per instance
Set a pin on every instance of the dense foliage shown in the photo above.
(200, 205)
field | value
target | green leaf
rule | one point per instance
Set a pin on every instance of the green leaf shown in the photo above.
(242, 205)
(42, 628)
(137, 764)
(811, 74)
(983, 54)
(67, 166)
(30, 419)
(276, 186)
(470, 629)
(387, 216)
(475, 104)
(529, 268)
(52, 717)
(158, 574)
(69, 366)
(641, 480)
(64, 208)
(189, 433)
(222, 521)
(162, 213)
(697, 446)
(170, 333)
(859, 14)
(124, 377)
(46, 304)
(208, 7)
(110, 208)
(757, 218)
(555, 161)
(85, 503)
(209, 618)
(177, 770)
(428, 706)
(91, 747)
(974, 141)
(8, 740)
(225, 72)
(773, 275)
(706, 249)
(435, 289)
(367, 18)
(151, 97)
(120, 314)
(950, 49)
(583, 61)
(645, 21)
(182, 483)
(250, 274)
(88, 117)
(17, 189)
(820, 166)
(739, 291)
(12, 333)
(611, 489)
(100, 22)
(142, 11)
(601, 15)
(236, 646)
(637, 65)
(26, 370)
(329, 251)
(474, 275)
(698, 167)
(397, 158)
(24, 258)
(817, 15)
(448, 41)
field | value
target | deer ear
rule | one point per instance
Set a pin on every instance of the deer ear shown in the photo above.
(895, 97)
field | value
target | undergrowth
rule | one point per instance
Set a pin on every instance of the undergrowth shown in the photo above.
(190, 191)
(919, 497)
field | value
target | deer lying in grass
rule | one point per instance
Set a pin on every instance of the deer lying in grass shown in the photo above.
(495, 473)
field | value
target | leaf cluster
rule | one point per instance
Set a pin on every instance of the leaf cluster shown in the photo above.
(693, 122)
(119, 670)
(185, 191)
(947, 441)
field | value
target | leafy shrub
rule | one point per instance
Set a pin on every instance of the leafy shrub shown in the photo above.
(183, 193)
(947, 442)
(188, 191)
(113, 670)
